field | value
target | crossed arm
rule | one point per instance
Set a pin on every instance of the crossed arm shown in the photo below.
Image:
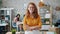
(37, 27)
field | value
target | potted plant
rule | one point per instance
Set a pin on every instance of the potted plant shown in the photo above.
(13, 31)
(47, 20)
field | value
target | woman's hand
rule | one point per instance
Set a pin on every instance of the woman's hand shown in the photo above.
(35, 28)
(30, 28)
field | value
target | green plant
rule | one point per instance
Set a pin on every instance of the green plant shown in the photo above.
(13, 31)
(46, 19)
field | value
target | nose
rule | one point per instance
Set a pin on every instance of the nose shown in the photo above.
(31, 8)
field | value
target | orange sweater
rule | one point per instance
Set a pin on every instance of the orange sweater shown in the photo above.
(31, 22)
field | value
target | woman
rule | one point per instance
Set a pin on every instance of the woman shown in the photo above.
(16, 19)
(32, 22)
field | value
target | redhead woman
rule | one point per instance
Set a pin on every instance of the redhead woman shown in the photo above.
(32, 21)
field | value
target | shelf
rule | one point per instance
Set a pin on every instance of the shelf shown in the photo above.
(45, 24)
(3, 24)
(9, 15)
(44, 12)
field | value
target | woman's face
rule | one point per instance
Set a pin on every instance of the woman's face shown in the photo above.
(31, 8)
(18, 16)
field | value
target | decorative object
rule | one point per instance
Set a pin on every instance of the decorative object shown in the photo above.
(47, 20)
(57, 8)
(47, 15)
(41, 4)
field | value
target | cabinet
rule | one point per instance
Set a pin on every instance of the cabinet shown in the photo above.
(7, 13)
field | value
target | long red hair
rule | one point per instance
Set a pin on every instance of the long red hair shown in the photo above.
(35, 14)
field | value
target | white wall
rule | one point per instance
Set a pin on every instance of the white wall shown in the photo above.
(19, 4)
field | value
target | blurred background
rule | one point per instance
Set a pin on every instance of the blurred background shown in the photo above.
(49, 10)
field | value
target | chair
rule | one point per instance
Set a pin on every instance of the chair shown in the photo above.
(18, 23)
(14, 25)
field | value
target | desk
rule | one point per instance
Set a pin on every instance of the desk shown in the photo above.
(23, 32)
(9, 33)
(3, 24)
(3, 27)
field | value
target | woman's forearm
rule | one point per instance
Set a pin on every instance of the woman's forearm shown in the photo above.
(28, 27)
(33, 27)
(36, 27)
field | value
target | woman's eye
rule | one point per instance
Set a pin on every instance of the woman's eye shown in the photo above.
(31, 7)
